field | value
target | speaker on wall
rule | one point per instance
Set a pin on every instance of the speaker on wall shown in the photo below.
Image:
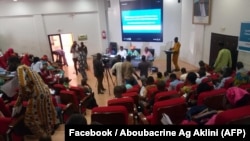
(179, 1)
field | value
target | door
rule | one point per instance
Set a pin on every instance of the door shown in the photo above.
(231, 42)
(55, 42)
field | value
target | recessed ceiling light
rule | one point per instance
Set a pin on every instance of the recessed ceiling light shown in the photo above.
(15, 0)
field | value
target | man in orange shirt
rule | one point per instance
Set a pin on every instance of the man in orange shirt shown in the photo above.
(176, 51)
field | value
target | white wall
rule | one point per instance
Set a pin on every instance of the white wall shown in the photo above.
(226, 18)
(171, 26)
(26, 24)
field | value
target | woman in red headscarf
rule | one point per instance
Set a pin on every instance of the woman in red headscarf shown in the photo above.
(8, 53)
(26, 60)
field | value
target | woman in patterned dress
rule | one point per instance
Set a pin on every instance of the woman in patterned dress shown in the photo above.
(40, 114)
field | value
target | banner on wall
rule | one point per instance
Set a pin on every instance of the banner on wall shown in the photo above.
(82, 37)
(244, 40)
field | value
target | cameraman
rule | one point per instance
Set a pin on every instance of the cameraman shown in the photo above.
(98, 72)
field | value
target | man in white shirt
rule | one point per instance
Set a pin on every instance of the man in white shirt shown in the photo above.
(37, 65)
(122, 52)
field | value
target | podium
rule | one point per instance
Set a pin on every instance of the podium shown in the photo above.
(168, 59)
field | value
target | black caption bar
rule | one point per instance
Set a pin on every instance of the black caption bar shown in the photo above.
(241, 133)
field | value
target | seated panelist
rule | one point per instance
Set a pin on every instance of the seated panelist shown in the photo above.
(147, 54)
(122, 52)
(133, 52)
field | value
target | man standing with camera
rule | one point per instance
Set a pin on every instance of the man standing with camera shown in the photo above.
(98, 72)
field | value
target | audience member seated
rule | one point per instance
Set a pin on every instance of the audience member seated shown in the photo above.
(174, 81)
(166, 76)
(45, 138)
(119, 90)
(145, 93)
(241, 76)
(189, 85)
(235, 98)
(45, 59)
(160, 88)
(209, 69)
(48, 76)
(160, 77)
(76, 119)
(183, 74)
(201, 87)
(202, 75)
(36, 65)
(10, 52)
(26, 60)
(226, 74)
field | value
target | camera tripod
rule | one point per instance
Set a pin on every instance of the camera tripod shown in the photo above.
(108, 75)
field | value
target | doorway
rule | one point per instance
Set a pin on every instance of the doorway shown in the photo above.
(61, 42)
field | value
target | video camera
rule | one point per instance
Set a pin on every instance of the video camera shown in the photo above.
(106, 61)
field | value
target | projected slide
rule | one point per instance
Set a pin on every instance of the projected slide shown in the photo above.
(142, 21)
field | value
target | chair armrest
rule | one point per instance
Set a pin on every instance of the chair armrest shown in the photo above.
(142, 119)
(84, 100)
(135, 114)
(12, 125)
(66, 108)
(131, 120)
(16, 121)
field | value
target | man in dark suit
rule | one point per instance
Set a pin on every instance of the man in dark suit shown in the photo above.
(99, 72)
(201, 8)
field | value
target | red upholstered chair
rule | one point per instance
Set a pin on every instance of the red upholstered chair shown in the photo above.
(58, 87)
(133, 95)
(128, 102)
(214, 77)
(238, 116)
(111, 115)
(79, 91)
(151, 91)
(6, 122)
(67, 96)
(66, 109)
(212, 99)
(229, 83)
(135, 88)
(179, 86)
(166, 95)
(175, 108)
